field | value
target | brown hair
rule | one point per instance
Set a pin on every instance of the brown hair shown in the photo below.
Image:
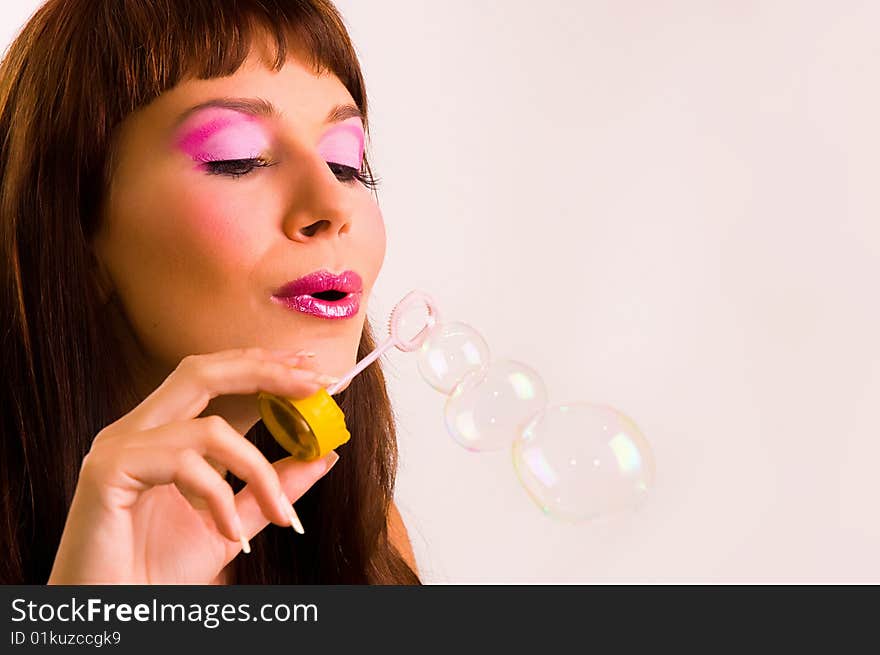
(75, 71)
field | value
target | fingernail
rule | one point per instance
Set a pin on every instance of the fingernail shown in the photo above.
(292, 516)
(305, 353)
(245, 544)
(326, 379)
(295, 523)
(331, 460)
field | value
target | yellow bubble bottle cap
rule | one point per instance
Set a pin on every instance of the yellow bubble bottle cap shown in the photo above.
(308, 428)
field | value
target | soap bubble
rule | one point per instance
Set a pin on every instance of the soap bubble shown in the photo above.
(489, 408)
(450, 352)
(579, 461)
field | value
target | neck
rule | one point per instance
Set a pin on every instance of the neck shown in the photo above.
(240, 411)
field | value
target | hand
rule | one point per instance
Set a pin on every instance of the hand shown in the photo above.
(149, 508)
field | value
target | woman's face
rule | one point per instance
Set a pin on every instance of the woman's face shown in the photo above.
(196, 254)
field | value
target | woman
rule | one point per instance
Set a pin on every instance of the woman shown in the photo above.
(168, 168)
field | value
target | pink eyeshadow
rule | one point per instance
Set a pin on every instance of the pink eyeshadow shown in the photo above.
(227, 135)
(344, 144)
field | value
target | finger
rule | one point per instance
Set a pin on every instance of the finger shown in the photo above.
(193, 476)
(299, 357)
(222, 443)
(217, 442)
(189, 388)
(296, 477)
(198, 480)
(120, 475)
(279, 354)
(148, 458)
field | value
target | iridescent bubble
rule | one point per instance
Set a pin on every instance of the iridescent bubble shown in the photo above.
(579, 461)
(451, 352)
(489, 408)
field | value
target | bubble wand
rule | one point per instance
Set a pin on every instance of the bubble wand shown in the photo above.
(312, 427)
(576, 461)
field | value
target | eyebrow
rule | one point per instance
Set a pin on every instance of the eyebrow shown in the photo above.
(263, 108)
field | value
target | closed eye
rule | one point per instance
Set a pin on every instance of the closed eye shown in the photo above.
(349, 174)
(236, 168)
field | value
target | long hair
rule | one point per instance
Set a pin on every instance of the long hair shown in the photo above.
(74, 72)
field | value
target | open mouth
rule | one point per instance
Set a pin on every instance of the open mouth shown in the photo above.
(329, 295)
(331, 303)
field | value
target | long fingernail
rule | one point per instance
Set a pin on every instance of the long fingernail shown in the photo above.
(295, 523)
(331, 460)
(245, 544)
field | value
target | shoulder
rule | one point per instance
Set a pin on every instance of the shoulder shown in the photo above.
(399, 537)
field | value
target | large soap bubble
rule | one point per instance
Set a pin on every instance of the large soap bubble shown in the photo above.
(580, 461)
(490, 407)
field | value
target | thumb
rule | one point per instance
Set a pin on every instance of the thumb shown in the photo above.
(296, 478)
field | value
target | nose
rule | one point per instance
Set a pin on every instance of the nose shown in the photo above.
(320, 204)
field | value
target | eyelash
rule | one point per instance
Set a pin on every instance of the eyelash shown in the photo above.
(232, 168)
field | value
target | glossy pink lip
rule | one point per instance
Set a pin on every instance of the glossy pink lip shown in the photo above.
(347, 282)
(299, 294)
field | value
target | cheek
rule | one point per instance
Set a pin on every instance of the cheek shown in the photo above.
(219, 230)
(201, 242)
(183, 263)
(375, 236)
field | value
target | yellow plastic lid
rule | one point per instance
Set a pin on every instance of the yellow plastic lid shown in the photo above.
(308, 428)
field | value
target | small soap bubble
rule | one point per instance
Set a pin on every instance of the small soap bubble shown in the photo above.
(489, 408)
(451, 352)
(580, 461)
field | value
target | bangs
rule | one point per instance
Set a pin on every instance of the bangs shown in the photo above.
(80, 67)
(206, 39)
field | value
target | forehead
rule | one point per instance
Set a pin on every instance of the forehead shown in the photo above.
(296, 91)
(301, 97)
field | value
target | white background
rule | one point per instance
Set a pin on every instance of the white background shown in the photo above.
(667, 207)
